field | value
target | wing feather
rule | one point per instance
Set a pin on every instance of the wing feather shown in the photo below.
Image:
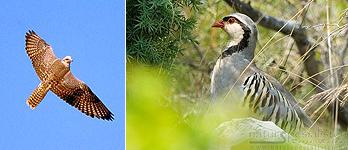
(78, 94)
(272, 102)
(40, 53)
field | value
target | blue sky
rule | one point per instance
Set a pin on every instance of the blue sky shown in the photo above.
(93, 34)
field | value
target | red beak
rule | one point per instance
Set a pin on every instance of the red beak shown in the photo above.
(219, 24)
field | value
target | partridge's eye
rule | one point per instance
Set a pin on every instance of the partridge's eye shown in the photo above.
(231, 20)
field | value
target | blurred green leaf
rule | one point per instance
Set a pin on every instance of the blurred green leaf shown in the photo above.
(152, 124)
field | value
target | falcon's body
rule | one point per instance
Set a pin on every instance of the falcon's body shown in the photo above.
(235, 71)
(55, 75)
(58, 70)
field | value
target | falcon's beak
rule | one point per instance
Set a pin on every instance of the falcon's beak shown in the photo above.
(218, 24)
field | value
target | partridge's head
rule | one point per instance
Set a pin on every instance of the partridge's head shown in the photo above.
(242, 32)
(236, 22)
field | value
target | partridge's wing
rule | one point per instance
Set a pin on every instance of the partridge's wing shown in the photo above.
(263, 94)
(78, 94)
(40, 54)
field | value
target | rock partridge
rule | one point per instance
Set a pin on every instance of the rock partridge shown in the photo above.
(235, 71)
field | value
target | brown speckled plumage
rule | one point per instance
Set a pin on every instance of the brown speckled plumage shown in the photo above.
(57, 77)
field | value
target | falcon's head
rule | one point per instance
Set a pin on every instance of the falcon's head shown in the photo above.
(67, 60)
(242, 32)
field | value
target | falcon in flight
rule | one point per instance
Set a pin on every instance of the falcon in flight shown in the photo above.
(55, 75)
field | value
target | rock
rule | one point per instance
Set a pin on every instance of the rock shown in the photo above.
(250, 133)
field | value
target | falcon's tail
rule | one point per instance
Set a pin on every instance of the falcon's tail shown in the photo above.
(38, 94)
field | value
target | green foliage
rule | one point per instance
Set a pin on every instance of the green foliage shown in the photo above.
(152, 122)
(156, 29)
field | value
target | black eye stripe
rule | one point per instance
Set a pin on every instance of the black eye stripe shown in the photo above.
(226, 18)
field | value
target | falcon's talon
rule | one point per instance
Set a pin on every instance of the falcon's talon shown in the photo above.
(55, 75)
(235, 70)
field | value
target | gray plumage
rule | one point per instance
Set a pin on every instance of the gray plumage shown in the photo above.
(235, 71)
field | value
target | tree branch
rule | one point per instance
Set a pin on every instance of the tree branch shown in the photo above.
(298, 34)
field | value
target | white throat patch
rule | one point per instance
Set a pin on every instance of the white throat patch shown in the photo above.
(66, 64)
(235, 31)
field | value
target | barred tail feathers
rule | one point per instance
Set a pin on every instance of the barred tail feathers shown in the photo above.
(38, 94)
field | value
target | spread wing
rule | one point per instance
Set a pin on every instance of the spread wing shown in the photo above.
(78, 94)
(40, 54)
(264, 95)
